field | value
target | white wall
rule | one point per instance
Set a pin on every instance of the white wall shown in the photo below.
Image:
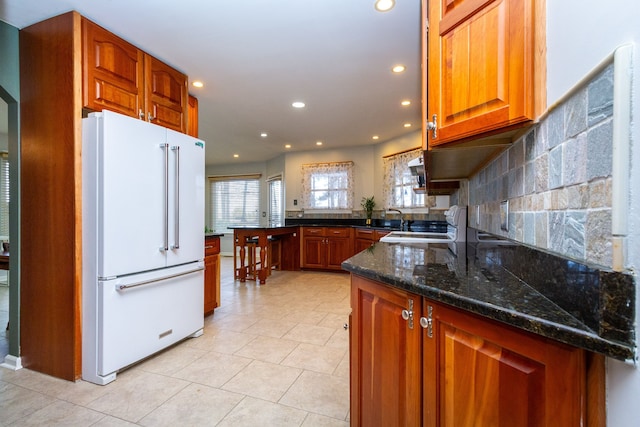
(580, 34)
(368, 168)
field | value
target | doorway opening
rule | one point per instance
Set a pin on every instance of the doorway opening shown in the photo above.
(4, 227)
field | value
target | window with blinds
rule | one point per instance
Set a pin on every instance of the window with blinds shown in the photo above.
(235, 202)
(275, 201)
(4, 195)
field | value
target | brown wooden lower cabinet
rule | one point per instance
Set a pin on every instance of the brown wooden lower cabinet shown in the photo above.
(325, 247)
(458, 370)
(211, 274)
(365, 237)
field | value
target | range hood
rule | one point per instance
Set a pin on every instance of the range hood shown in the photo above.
(418, 169)
(416, 166)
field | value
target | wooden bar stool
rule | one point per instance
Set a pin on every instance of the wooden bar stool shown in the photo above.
(274, 254)
(253, 258)
(245, 249)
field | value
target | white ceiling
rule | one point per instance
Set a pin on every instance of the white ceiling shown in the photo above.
(257, 56)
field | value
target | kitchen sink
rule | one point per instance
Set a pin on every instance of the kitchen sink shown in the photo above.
(415, 236)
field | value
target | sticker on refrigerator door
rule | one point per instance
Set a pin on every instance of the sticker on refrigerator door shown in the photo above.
(200, 144)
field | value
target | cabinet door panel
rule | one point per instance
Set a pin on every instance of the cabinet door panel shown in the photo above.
(484, 384)
(480, 67)
(192, 116)
(477, 372)
(211, 274)
(166, 95)
(338, 250)
(362, 244)
(113, 72)
(313, 250)
(385, 357)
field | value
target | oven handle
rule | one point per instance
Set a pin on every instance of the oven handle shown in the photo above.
(148, 282)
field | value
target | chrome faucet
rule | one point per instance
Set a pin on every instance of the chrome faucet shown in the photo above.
(401, 218)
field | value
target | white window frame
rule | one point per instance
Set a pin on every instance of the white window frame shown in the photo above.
(276, 199)
(330, 182)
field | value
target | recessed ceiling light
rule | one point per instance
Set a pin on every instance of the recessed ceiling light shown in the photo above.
(405, 103)
(263, 134)
(298, 104)
(407, 125)
(384, 5)
(318, 142)
(197, 83)
(375, 137)
(398, 68)
(287, 146)
(235, 156)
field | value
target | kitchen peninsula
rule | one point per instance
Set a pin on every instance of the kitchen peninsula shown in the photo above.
(289, 259)
(310, 243)
(436, 337)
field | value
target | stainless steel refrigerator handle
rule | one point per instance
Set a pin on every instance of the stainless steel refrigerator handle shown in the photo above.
(148, 282)
(165, 148)
(176, 207)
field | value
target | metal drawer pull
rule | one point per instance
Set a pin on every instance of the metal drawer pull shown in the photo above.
(147, 282)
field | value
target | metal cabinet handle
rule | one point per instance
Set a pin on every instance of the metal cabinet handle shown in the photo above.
(433, 127)
(150, 118)
(427, 322)
(407, 314)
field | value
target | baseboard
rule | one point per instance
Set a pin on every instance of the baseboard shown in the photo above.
(11, 362)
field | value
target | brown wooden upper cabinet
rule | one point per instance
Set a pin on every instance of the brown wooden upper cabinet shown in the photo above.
(120, 77)
(481, 67)
(192, 124)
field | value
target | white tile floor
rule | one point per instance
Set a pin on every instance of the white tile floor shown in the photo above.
(271, 355)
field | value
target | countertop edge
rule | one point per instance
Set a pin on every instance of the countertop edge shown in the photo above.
(585, 339)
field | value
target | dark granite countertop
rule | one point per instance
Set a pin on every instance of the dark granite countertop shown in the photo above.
(376, 224)
(538, 292)
(213, 235)
(258, 227)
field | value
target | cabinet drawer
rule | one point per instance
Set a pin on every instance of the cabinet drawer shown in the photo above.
(313, 231)
(211, 246)
(338, 232)
(362, 233)
(381, 234)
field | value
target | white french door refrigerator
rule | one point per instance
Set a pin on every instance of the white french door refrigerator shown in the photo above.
(143, 241)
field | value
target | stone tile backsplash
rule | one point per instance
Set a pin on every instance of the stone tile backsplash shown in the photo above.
(557, 179)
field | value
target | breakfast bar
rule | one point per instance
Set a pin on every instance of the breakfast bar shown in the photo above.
(260, 237)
